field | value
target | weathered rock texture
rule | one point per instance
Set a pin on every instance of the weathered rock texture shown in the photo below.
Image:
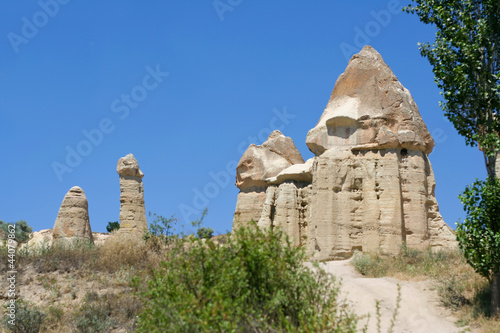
(44, 238)
(257, 164)
(370, 186)
(72, 221)
(132, 209)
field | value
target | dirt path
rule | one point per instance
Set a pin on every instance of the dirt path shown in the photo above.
(420, 309)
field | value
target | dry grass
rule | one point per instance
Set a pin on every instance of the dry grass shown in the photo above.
(111, 257)
(79, 287)
(459, 286)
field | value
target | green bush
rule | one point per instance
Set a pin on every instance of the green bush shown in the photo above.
(204, 232)
(29, 319)
(161, 230)
(113, 226)
(94, 315)
(255, 282)
(22, 231)
(369, 265)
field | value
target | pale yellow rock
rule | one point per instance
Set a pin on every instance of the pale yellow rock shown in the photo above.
(369, 107)
(41, 238)
(297, 172)
(287, 206)
(283, 146)
(256, 166)
(132, 209)
(44, 238)
(370, 186)
(72, 221)
(249, 205)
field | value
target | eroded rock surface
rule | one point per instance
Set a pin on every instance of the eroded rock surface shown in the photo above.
(132, 209)
(369, 108)
(72, 221)
(370, 186)
(257, 165)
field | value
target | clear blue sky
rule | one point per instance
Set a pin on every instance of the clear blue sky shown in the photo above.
(222, 71)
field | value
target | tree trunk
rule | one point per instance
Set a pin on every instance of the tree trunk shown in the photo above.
(495, 294)
(495, 282)
(490, 163)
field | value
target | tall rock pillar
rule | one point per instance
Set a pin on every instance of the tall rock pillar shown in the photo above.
(132, 210)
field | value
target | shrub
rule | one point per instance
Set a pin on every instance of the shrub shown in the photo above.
(369, 265)
(29, 319)
(204, 232)
(254, 282)
(451, 292)
(113, 226)
(161, 230)
(22, 231)
(94, 315)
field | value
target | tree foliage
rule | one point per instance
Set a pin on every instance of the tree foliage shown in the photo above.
(255, 281)
(22, 230)
(161, 229)
(205, 232)
(465, 62)
(113, 226)
(479, 234)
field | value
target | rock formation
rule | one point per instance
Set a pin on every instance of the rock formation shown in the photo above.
(132, 210)
(72, 221)
(45, 237)
(370, 186)
(257, 164)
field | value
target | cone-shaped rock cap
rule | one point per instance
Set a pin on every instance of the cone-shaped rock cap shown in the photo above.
(259, 163)
(128, 166)
(369, 109)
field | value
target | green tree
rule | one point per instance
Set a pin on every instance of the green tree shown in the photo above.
(466, 66)
(479, 234)
(465, 60)
(255, 282)
(113, 226)
(22, 230)
(205, 232)
(161, 229)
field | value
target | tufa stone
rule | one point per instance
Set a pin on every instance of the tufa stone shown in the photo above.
(132, 209)
(72, 221)
(257, 165)
(370, 186)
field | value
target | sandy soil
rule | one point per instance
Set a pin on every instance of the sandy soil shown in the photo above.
(420, 309)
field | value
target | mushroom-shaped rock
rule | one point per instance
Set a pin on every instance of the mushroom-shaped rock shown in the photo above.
(369, 109)
(132, 209)
(259, 163)
(72, 221)
(370, 186)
